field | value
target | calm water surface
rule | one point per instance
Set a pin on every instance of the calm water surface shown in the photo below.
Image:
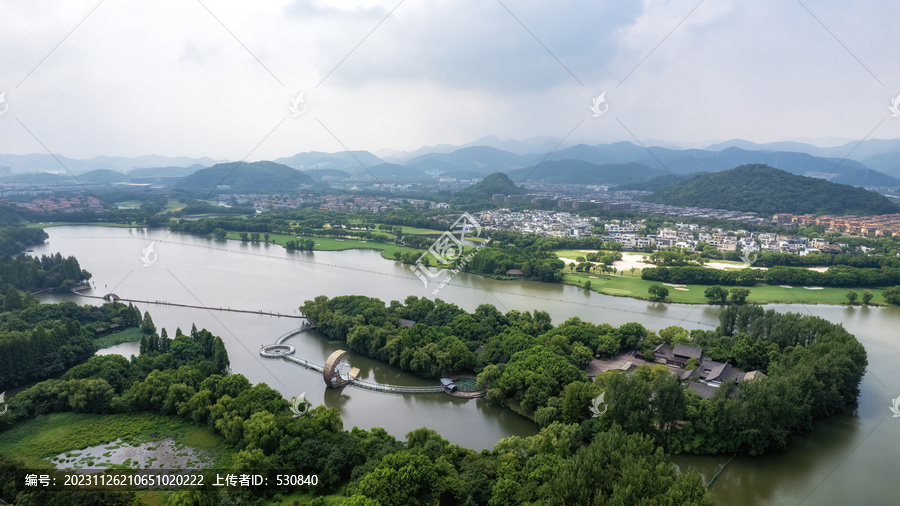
(851, 459)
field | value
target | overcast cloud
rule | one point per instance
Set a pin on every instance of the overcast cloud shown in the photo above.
(181, 77)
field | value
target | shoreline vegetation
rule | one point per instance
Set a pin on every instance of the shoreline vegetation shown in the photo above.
(799, 369)
(622, 283)
(182, 389)
(538, 369)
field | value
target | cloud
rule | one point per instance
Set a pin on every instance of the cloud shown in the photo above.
(196, 53)
(320, 8)
(476, 44)
(178, 78)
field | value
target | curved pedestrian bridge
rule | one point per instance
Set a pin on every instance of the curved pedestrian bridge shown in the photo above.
(333, 372)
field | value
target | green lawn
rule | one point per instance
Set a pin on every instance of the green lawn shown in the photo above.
(49, 435)
(333, 244)
(380, 233)
(627, 286)
(406, 230)
(421, 231)
(571, 254)
(173, 205)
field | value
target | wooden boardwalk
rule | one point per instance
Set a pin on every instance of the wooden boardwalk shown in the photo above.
(114, 297)
(285, 351)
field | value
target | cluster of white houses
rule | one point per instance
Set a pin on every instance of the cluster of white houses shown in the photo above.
(688, 235)
(708, 376)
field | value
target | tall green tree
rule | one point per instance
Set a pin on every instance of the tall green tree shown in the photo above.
(892, 294)
(658, 292)
(716, 293)
(147, 326)
(739, 295)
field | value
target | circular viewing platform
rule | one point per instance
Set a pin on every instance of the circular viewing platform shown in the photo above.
(277, 350)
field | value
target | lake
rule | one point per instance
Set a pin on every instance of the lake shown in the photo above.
(848, 459)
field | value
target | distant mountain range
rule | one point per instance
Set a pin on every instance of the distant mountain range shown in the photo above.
(342, 160)
(480, 159)
(880, 154)
(873, 162)
(688, 161)
(518, 147)
(766, 190)
(99, 176)
(40, 162)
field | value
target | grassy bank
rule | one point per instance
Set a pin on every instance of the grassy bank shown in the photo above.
(627, 286)
(334, 244)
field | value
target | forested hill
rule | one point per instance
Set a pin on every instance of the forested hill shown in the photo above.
(766, 190)
(497, 182)
(15, 238)
(582, 172)
(256, 177)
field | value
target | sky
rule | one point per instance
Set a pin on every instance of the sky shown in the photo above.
(219, 78)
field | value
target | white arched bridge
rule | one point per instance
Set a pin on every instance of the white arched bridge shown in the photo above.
(337, 372)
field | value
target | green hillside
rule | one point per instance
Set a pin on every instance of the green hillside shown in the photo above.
(766, 190)
(242, 177)
(103, 176)
(582, 172)
(654, 185)
(497, 182)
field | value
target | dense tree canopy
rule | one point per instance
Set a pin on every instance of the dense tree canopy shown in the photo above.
(39, 340)
(189, 381)
(14, 240)
(48, 272)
